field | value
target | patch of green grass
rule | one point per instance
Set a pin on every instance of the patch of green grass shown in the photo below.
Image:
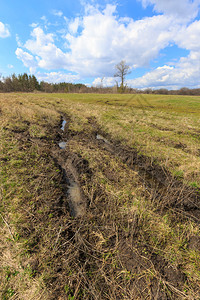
(179, 174)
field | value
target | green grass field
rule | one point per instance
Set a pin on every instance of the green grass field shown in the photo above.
(138, 237)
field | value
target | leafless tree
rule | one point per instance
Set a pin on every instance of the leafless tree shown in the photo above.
(122, 69)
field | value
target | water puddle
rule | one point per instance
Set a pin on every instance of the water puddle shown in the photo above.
(76, 203)
(62, 145)
(101, 138)
(63, 124)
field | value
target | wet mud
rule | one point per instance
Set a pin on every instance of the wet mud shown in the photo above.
(74, 194)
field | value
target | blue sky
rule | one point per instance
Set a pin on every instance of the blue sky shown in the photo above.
(83, 40)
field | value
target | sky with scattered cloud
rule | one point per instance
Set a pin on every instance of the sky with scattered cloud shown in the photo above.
(83, 40)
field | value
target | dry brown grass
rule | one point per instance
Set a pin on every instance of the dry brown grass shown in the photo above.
(138, 238)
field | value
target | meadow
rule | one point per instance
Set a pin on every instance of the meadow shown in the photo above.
(133, 233)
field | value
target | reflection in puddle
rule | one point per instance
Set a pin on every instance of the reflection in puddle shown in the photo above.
(62, 145)
(63, 125)
(101, 138)
(77, 205)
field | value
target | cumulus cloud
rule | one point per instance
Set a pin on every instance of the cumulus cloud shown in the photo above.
(56, 77)
(27, 59)
(183, 9)
(105, 40)
(73, 25)
(109, 10)
(4, 31)
(43, 47)
(189, 37)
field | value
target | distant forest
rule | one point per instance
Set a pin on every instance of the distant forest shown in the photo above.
(29, 83)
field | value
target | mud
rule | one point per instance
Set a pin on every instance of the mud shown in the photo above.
(173, 144)
(134, 262)
(161, 128)
(76, 200)
(194, 242)
(76, 203)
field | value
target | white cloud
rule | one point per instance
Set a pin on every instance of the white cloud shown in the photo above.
(44, 18)
(183, 9)
(189, 37)
(105, 40)
(19, 43)
(10, 66)
(109, 10)
(34, 25)
(104, 81)
(73, 25)
(27, 59)
(57, 13)
(48, 55)
(56, 77)
(4, 31)
(39, 39)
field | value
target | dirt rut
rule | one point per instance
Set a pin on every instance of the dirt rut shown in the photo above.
(76, 200)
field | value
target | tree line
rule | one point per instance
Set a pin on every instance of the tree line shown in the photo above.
(29, 83)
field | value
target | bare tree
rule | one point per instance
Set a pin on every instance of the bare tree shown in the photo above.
(122, 70)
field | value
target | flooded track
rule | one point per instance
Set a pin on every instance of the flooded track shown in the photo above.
(76, 200)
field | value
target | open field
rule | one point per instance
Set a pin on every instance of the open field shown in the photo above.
(113, 215)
